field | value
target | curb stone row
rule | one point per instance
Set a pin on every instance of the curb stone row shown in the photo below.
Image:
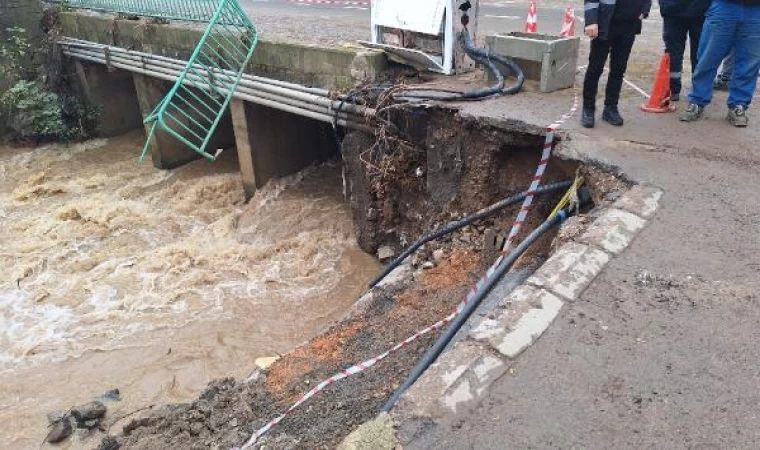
(462, 376)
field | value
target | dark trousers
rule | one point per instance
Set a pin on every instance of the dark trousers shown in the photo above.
(618, 48)
(676, 31)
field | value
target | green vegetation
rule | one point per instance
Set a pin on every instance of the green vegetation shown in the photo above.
(31, 111)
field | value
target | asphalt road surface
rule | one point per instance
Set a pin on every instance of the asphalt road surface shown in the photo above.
(346, 21)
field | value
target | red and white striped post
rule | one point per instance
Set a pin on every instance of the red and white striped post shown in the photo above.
(531, 23)
(568, 25)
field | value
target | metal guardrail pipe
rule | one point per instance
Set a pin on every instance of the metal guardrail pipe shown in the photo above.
(322, 114)
(273, 90)
(72, 42)
(318, 105)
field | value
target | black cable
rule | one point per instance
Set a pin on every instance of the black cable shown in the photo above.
(463, 222)
(443, 341)
(485, 58)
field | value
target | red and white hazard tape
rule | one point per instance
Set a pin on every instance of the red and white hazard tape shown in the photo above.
(361, 367)
(332, 2)
(548, 144)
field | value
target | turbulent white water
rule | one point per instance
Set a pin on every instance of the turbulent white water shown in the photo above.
(156, 280)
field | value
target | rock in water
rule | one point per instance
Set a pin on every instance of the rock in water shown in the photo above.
(59, 431)
(111, 396)
(385, 253)
(55, 417)
(89, 411)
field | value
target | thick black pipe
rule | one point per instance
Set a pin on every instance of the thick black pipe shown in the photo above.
(443, 341)
(463, 222)
(483, 57)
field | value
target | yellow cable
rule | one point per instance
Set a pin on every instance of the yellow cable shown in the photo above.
(571, 194)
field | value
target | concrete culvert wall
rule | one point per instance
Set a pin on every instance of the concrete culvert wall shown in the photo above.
(450, 165)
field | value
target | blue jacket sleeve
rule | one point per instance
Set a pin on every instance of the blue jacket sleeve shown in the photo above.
(591, 11)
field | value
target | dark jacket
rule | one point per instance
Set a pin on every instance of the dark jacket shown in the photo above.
(684, 8)
(747, 2)
(600, 12)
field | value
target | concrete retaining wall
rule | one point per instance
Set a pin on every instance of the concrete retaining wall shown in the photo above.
(20, 13)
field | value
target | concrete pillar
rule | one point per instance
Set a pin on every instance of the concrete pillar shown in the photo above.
(166, 151)
(273, 144)
(113, 92)
(243, 144)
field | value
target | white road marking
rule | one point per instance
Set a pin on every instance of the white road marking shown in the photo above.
(502, 17)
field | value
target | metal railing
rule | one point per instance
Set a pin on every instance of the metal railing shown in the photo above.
(200, 97)
(292, 98)
(190, 10)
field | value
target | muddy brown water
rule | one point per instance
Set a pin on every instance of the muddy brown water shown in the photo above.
(117, 275)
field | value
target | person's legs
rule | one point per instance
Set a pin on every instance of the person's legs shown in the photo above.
(597, 59)
(620, 51)
(695, 31)
(747, 46)
(718, 36)
(729, 65)
(600, 49)
(675, 31)
(726, 73)
(747, 56)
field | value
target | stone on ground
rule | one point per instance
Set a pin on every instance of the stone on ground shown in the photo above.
(377, 434)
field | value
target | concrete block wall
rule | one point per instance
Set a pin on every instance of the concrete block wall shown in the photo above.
(549, 60)
(20, 13)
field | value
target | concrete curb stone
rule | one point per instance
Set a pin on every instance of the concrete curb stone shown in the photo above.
(613, 231)
(456, 381)
(518, 326)
(462, 375)
(570, 270)
(640, 200)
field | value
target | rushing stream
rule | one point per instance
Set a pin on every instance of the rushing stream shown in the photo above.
(118, 275)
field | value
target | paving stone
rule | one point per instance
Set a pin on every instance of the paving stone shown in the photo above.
(525, 315)
(457, 381)
(640, 200)
(570, 270)
(614, 230)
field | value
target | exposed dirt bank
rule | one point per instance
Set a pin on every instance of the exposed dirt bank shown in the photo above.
(453, 165)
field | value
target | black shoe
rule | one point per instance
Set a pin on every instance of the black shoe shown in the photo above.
(588, 118)
(675, 97)
(612, 116)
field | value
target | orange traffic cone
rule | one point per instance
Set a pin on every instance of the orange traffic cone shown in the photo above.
(531, 23)
(568, 25)
(659, 101)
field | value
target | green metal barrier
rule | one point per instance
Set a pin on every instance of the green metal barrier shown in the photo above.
(192, 10)
(193, 108)
(200, 97)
